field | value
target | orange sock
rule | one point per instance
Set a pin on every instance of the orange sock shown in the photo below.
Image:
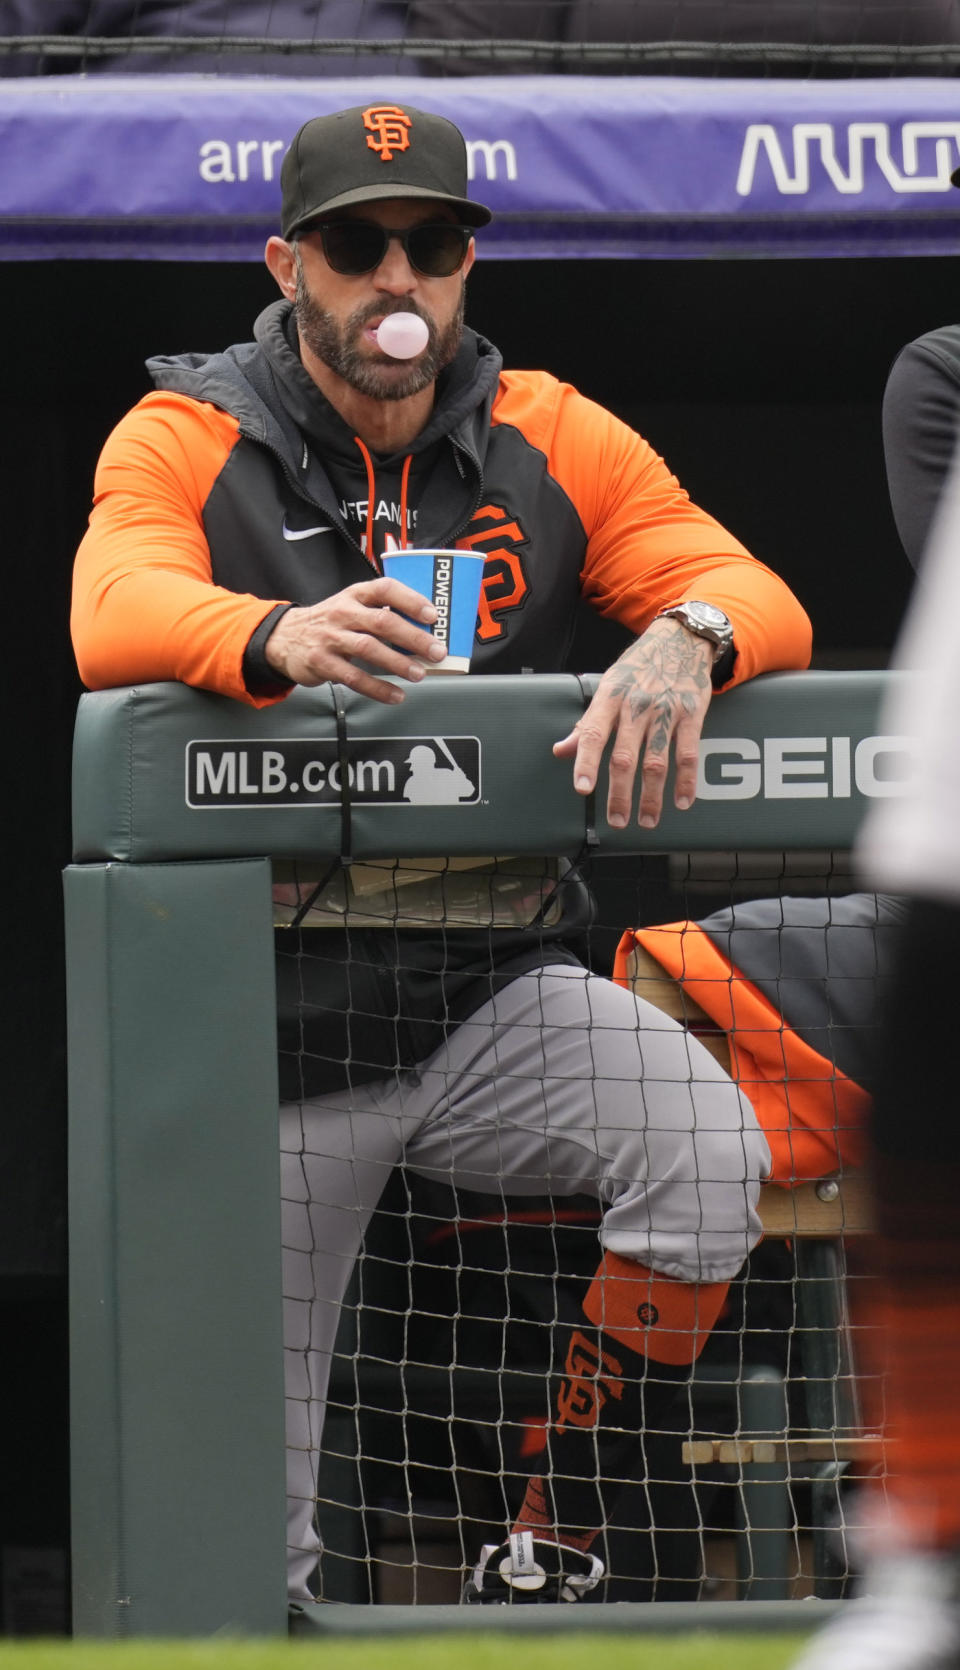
(538, 1515)
(666, 1320)
(642, 1334)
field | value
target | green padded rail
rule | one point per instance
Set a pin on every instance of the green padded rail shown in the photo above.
(162, 772)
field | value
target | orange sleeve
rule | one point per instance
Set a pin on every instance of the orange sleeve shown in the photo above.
(648, 545)
(145, 607)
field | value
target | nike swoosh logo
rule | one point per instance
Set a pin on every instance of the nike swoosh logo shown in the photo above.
(303, 533)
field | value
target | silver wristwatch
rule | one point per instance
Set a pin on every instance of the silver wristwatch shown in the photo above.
(706, 621)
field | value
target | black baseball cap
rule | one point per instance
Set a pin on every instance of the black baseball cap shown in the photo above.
(371, 152)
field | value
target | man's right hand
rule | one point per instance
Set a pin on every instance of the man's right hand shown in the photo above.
(359, 628)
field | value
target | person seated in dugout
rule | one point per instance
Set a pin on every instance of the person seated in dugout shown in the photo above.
(904, 1613)
(785, 993)
(792, 997)
(241, 514)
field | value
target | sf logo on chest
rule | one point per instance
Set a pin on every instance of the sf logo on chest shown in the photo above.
(504, 587)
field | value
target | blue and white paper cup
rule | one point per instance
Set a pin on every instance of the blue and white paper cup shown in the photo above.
(451, 580)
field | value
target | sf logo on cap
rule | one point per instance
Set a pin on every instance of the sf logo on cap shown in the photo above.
(388, 126)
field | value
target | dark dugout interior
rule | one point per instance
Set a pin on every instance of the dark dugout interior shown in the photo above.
(759, 381)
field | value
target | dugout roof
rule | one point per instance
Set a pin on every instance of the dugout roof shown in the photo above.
(178, 167)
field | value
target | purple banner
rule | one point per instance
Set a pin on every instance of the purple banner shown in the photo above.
(187, 168)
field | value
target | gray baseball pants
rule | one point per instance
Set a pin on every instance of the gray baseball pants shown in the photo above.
(564, 1083)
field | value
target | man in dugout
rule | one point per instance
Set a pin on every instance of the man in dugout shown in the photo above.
(241, 514)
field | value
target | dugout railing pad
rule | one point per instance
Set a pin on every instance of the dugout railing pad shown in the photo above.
(163, 773)
(181, 799)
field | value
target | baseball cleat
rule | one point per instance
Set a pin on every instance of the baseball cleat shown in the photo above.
(527, 1570)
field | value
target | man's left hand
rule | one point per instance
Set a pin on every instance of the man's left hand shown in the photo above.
(656, 695)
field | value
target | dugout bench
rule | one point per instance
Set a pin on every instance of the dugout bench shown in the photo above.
(176, 1367)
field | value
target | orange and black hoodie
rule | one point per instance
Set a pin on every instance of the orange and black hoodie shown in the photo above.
(204, 487)
(236, 490)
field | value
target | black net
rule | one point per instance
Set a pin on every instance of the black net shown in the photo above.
(741, 1481)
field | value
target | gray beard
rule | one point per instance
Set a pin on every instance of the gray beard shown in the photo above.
(330, 343)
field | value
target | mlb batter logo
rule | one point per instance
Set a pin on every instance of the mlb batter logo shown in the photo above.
(435, 777)
(309, 771)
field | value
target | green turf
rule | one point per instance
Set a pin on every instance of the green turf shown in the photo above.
(472, 1651)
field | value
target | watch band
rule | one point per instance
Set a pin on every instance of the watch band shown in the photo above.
(707, 621)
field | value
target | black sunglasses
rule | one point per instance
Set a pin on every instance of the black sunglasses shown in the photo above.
(435, 250)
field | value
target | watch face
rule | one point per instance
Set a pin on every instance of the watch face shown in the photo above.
(708, 615)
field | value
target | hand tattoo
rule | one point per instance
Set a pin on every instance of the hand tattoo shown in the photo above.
(667, 673)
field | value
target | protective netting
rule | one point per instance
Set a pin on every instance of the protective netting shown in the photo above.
(454, 37)
(744, 1482)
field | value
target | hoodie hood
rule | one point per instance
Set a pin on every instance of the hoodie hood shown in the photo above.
(428, 492)
(263, 385)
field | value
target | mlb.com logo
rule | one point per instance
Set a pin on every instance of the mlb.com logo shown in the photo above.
(309, 771)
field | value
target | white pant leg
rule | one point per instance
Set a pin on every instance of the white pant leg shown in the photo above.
(335, 1161)
(566, 1083)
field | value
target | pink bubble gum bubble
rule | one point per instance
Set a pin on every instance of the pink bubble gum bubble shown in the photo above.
(401, 335)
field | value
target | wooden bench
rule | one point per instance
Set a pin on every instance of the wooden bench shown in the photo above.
(825, 1211)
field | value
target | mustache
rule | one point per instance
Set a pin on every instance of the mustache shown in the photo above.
(401, 305)
(381, 310)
